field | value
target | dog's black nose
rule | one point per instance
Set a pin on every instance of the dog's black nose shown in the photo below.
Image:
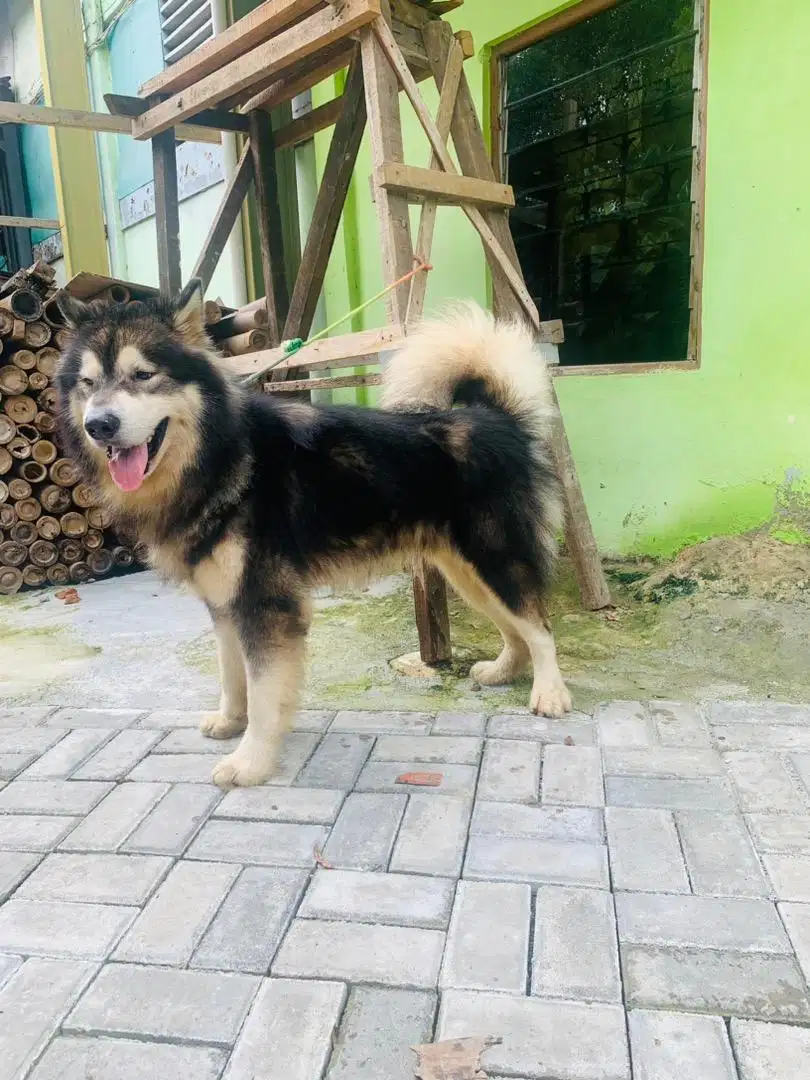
(102, 426)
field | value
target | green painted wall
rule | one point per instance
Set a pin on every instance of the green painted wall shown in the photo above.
(666, 459)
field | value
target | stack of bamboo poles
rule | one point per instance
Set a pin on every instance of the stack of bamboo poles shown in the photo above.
(238, 332)
(51, 529)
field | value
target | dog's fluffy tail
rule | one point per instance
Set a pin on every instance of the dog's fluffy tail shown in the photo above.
(465, 356)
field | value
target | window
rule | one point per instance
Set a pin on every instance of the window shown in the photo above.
(598, 133)
(184, 24)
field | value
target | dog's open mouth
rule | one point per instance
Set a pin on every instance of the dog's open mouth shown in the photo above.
(130, 465)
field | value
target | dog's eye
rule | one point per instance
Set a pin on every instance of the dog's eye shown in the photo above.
(87, 384)
(144, 376)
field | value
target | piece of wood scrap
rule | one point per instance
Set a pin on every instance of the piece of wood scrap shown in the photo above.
(453, 1059)
(420, 779)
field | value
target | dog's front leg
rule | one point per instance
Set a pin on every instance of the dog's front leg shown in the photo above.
(233, 704)
(275, 668)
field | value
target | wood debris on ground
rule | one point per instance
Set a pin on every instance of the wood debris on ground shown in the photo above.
(453, 1059)
(420, 779)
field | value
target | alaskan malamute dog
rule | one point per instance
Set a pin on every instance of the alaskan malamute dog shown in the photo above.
(253, 501)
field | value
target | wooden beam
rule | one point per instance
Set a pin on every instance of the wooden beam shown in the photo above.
(330, 352)
(223, 223)
(337, 383)
(275, 91)
(255, 28)
(334, 187)
(432, 616)
(28, 222)
(218, 119)
(11, 112)
(284, 51)
(167, 212)
(445, 188)
(268, 215)
(308, 125)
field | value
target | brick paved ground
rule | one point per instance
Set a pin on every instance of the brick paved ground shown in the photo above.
(615, 896)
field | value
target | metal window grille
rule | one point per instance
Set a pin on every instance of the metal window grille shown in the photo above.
(184, 25)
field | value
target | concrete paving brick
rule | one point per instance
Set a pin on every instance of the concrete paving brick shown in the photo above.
(761, 737)
(60, 761)
(645, 852)
(700, 922)
(165, 719)
(768, 712)
(382, 723)
(361, 952)
(790, 875)
(33, 832)
(363, 836)
(681, 763)
(676, 1046)
(751, 985)
(801, 763)
(572, 774)
(337, 762)
(770, 1051)
(437, 749)
(363, 896)
(432, 837)
(719, 854)
(577, 727)
(772, 832)
(172, 924)
(796, 918)
(164, 1003)
(764, 784)
(623, 723)
(32, 1004)
(95, 879)
(295, 753)
(12, 765)
(377, 1031)
(510, 771)
(538, 822)
(174, 769)
(575, 954)
(541, 1039)
(307, 806)
(317, 720)
(29, 741)
(289, 1032)
(488, 940)
(76, 1057)
(69, 931)
(21, 716)
(508, 858)
(258, 843)
(121, 754)
(187, 740)
(173, 822)
(668, 794)
(15, 866)
(248, 928)
(382, 776)
(94, 718)
(679, 725)
(455, 723)
(115, 817)
(8, 965)
(52, 796)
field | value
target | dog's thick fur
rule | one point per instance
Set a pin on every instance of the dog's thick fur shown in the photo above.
(253, 501)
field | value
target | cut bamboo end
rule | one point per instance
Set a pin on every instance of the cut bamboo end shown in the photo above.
(33, 576)
(100, 561)
(23, 304)
(37, 381)
(29, 509)
(48, 527)
(48, 361)
(6, 461)
(24, 359)
(3, 491)
(28, 432)
(8, 429)
(116, 294)
(73, 524)
(52, 313)
(33, 472)
(93, 540)
(6, 322)
(61, 338)
(47, 400)
(98, 517)
(12, 553)
(22, 409)
(57, 574)
(123, 556)
(13, 380)
(8, 515)
(79, 572)
(45, 423)
(64, 472)
(55, 499)
(43, 553)
(83, 496)
(37, 334)
(19, 448)
(44, 452)
(252, 341)
(70, 550)
(11, 580)
(23, 532)
(19, 489)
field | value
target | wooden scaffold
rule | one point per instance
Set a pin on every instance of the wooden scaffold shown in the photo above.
(278, 51)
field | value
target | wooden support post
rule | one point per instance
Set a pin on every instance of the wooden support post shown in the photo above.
(268, 213)
(225, 220)
(382, 105)
(167, 212)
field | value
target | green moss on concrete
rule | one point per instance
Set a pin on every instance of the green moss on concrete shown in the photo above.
(34, 656)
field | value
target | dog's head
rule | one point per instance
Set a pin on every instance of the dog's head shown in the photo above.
(133, 385)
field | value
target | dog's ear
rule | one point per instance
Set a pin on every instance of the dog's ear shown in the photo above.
(75, 311)
(188, 315)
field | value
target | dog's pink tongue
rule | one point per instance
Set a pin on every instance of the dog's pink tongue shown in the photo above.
(128, 468)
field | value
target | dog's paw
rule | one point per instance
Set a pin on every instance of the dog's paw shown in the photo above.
(550, 699)
(497, 672)
(217, 726)
(242, 770)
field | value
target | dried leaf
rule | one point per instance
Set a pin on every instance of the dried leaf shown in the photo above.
(453, 1059)
(320, 860)
(420, 779)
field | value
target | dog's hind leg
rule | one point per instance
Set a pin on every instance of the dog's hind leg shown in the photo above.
(275, 668)
(232, 716)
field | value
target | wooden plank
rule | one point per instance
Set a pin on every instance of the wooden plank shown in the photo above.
(275, 91)
(286, 50)
(11, 112)
(246, 33)
(223, 223)
(432, 616)
(337, 175)
(268, 215)
(167, 212)
(308, 125)
(28, 222)
(446, 188)
(338, 383)
(218, 119)
(330, 352)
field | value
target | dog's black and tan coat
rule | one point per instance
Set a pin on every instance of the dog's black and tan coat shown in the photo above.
(253, 502)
